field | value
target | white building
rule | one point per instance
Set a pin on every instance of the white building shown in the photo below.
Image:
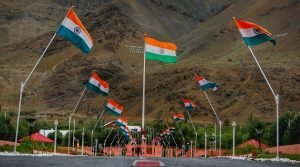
(46, 132)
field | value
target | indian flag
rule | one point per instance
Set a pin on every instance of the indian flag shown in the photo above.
(73, 30)
(253, 34)
(124, 133)
(178, 117)
(205, 84)
(126, 136)
(114, 108)
(171, 128)
(125, 129)
(121, 121)
(167, 132)
(97, 85)
(188, 104)
(160, 51)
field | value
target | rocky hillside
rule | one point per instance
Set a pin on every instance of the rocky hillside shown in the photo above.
(209, 44)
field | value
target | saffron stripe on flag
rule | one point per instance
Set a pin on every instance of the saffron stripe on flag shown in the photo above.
(72, 16)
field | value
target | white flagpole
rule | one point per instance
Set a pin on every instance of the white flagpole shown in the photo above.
(22, 89)
(220, 147)
(73, 131)
(82, 142)
(276, 96)
(70, 117)
(215, 142)
(212, 107)
(143, 102)
(175, 144)
(220, 123)
(194, 131)
(180, 132)
(182, 137)
(92, 135)
(173, 140)
(205, 141)
(113, 140)
(108, 136)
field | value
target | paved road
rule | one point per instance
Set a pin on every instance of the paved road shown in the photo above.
(22, 161)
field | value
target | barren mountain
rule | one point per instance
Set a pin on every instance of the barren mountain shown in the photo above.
(209, 45)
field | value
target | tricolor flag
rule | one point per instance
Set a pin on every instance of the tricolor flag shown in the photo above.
(121, 121)
(178, 117)
(171, 128)
(73, 30)
(114, 108)
(124, 129)
(124, 134)
(97, 85)
(167, 132)
(160, 51)
(253, 34)
(188, 104)
(205, 84)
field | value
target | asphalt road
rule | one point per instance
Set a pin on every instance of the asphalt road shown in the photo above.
(26, 161)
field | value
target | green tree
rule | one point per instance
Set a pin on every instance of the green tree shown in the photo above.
(292, 133)
(59, 137)
(283, 126)
(7, 132)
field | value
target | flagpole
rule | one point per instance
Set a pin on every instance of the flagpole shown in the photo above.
(73, 131)
(211, 106)
(113, 140)
(276, 96)
(205, 141)
(22, 90)
(108, 136)
(92, 135)
(173, 139)
(144, 83)
(194, 131)
(181, 136)
(220, 123)
(220, 147)
(175, 144)
(123, 140)
(215, 143)
(70, 117)
(82, 142)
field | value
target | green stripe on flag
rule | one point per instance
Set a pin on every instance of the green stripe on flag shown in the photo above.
(95, 89)
(258, 39)
(162, 58)
(189, 108)
(73, 38)
(112, 111)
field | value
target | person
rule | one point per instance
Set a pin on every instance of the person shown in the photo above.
(138, 151)
(125, 150)
(132, 149)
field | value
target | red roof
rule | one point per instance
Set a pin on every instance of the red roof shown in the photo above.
(254, 143)
(37, 137)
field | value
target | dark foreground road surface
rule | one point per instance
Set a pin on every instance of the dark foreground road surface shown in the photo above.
(25, 161)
